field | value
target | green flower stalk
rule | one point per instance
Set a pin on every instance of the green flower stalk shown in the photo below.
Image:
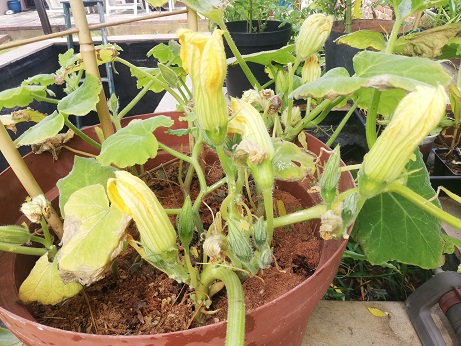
(203, 57)
(312, 35)
(415, 117)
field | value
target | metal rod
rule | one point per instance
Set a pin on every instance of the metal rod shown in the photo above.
(91, 27)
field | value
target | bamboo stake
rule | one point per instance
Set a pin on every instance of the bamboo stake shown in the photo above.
(91, 27)
(25, 176)
(192, 21)
(91, 65)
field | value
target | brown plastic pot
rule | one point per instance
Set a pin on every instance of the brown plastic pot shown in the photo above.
(280, 322)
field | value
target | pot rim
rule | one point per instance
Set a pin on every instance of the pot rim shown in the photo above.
(341, 244)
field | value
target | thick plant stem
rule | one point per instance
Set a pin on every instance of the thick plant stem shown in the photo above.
(370, 125)
(424, 204)
(341, 125)
(25, 176)
(91, 65)
(269, 209)
(23, 250)
(82, 135)
(235, 333)
(246, 70)
(303, 215)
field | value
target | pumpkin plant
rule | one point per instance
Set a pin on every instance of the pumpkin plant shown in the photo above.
(104, 192)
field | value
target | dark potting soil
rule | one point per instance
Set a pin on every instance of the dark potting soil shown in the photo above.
(137, 299)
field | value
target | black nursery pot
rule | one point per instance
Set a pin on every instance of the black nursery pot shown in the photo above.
(443, 175)
(273, 37)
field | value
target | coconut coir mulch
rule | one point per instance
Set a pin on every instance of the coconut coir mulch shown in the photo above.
(135, 298)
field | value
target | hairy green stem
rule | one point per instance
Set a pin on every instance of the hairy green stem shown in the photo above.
(311, 213)
(370, 125)
(244, 66)
(46, 233)
(291, 72)
(136, 99)
(152, 78)
(424, 204)
(235, 334)
(45, 99)
(23, 250)
(81, 134)
(269, 210)
(341, 125)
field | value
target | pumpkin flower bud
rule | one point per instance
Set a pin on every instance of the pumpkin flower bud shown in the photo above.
(330, 177)
(203, 57)
(311, 69)
(215, 247)
(312, 35)
(415, 117)
(239, 242)
(249, 123)
(295, 116)
(133, 197)
(35, 208)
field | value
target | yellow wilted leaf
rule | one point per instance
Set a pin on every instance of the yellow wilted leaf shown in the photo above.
(377, 312)
(281, 208)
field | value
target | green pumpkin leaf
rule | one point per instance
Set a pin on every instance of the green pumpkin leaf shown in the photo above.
(452, 49)
(21, 96)
(169, 55)
(142, 80)
(93, 235)
(281, 56)
(9, 339)
(388, 100)
(364, 39)
(212, 9)
(42, 79)
(290, 162)
(369, 64)
(84, 99)
(44, 284)
(427, 43)
(47, 128)
(389, 227)
(134, 144)
(332, 84)
(85, 172)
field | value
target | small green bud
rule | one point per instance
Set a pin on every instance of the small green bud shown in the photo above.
(265, 258)
(259, 233)
(15, 235)
(350, 208)
(295, 116)
(169, 75)
(239, 243)
(186, 223)
(330, 177)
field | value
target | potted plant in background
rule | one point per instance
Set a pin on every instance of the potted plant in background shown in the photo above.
(246, 246)
(253, 28)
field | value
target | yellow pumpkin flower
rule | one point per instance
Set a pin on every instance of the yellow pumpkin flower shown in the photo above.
(203, 57)
(313, 34)
(415, 117)
(133, 197)
(248, 122)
